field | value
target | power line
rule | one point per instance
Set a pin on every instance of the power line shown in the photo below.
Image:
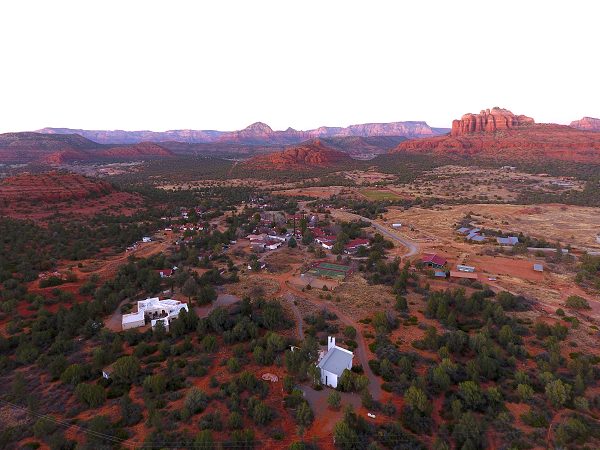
(141, 444)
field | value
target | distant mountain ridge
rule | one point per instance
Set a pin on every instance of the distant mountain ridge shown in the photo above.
(256, 134)
(30, 147)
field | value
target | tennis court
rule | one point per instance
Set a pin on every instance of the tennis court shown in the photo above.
(329, 270)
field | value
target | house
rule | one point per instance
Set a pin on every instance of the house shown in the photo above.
(155, 310)
(165, 273)
(463, 268)
(334, 362)
(146, 239)
(272, 245)
(355, 244)
(326, 242)
(463, 230)
(476, 238)
(510, 240)
(538, 267)
(433, 260)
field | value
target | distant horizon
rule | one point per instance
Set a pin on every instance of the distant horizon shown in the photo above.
(146, 65)
(449, 126)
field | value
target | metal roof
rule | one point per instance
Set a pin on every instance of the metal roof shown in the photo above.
(336, 360)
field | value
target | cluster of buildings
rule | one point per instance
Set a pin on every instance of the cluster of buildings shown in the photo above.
(473, 234)
(153, 310)
(327, 241)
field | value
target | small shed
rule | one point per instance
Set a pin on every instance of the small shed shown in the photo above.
(538, 267)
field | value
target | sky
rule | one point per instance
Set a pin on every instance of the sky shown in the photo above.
(160, 65)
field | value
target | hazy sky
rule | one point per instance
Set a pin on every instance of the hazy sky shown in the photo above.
(224, 64)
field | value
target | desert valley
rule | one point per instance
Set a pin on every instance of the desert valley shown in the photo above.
(374, 286)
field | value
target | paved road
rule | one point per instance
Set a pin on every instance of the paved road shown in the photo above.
(411, 246)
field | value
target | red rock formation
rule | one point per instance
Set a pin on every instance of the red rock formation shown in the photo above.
(500, 134)
(301, 157)
(487, 120)
(587, 123)
(143, 149)
(51, 187)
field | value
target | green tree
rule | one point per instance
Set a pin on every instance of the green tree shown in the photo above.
(525, 392)
(417, 399)
(345, 437)
(557, 393)
(155, 384)
(204, 440)
(195, 401)
(73, 374)
(126, 369)
(92, 395)
(334, 400)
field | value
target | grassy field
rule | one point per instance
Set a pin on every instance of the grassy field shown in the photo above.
(378, 194)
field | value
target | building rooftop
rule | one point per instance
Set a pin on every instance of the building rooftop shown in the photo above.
(433, 259)
(510, 240)
(336, 360)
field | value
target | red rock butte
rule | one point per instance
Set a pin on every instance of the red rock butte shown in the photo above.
(488, 120)
(303, 156)
(498, 133)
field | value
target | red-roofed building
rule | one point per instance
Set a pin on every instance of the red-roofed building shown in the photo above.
(355, 244)
(433, 260)
(165, 273)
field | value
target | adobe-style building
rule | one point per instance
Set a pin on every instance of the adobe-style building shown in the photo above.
(155, 310)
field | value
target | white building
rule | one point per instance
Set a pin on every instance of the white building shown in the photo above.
(334, 362)
(146, 239)
(154, 310)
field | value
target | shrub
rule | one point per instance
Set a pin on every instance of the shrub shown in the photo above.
(92, 395)
(577, 302)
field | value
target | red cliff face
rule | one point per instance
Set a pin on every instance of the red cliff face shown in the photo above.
(587, 123)
(496, 119)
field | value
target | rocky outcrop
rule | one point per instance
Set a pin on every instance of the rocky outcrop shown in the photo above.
(499, 134)
(488, 120)
(143, 149)
(587, 123)
(51, 187)
(301, 157)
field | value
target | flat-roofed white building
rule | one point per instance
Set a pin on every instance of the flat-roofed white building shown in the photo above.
(334, 362)
(154, 310)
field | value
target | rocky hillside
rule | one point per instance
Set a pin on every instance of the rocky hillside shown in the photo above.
(68, 148)
(27, 147)
(500, 134)
(300, 157)
(51, 187)
(587, 123)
